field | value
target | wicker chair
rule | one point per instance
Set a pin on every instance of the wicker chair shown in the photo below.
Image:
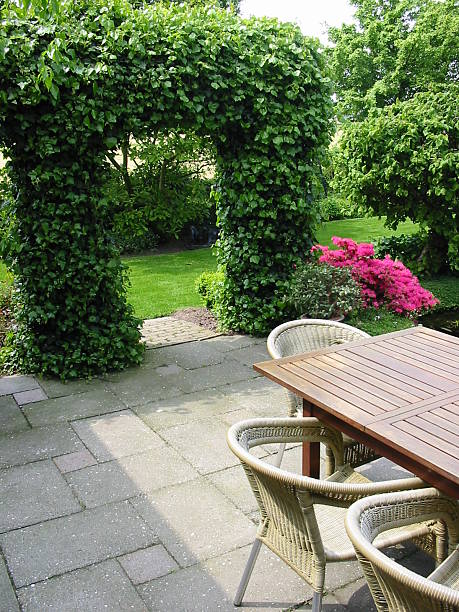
(395, 588)
(301, 518)
(304, 336)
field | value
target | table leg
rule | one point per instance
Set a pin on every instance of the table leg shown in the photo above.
(311, 450)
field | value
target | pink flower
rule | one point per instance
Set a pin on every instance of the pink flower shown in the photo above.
(383, 282)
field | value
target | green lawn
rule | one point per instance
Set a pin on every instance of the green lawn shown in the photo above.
(164, 283)
(361, 230)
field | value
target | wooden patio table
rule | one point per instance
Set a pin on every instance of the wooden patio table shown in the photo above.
(397, 393)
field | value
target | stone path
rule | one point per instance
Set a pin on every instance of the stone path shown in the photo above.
(120, 493)
(167, 330)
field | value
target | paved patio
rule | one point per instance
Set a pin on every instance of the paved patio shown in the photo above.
(120, 493)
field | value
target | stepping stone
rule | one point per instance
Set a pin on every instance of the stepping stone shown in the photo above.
(29, 397)
(98, 588)
(116, 435)
(65, 544)
(33, 493)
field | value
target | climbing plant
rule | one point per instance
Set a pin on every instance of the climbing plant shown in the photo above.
(72, 87)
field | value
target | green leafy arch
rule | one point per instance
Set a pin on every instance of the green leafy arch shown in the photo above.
(71, 88)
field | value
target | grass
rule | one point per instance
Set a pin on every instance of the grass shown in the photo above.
(161, 284)
(361, 230)
(3, 272)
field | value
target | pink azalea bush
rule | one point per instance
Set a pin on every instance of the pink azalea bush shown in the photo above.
(384, 282)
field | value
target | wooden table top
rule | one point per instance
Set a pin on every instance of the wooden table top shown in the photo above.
(397, 393)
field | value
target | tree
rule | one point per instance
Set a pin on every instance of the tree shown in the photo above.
(403, 161)
(397, 49)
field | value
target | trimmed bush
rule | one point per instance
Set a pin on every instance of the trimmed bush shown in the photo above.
(209, 285)
(72, 88)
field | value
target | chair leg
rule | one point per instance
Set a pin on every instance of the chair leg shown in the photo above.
(247, 572)
(280, 454)
(317, 602)
(329, 463)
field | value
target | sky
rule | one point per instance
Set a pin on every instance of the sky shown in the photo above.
(311, 15)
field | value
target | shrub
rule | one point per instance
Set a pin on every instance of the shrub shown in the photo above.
(335, 208)
(73, 88)
(402, 162)
(6, 293)
(209, 285)
(383, 282)
(418, 252)
(321, 291)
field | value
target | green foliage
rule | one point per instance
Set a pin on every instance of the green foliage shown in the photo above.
(334, 208)
(402, 162)
(378, 321)
(164, 191)
(209, 285)
(73, 89)
(396, 49)
(419, 252)
(321, 291)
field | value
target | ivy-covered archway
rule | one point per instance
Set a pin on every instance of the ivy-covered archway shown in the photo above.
(71, 89)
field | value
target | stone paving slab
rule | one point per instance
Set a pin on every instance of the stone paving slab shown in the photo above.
(167, 330)
(141, 386)
(226, 344)
(189, 356)
(71, 407)
(28, 397)
(54, 387)
(32, 493)
(116, 435)
(234, 485)
(98, 588)
(195, 521)
(250, 354)
(64, 544)
(203, 444)
(74, 461)
(211, 585)
(147, 564)
(130, 476)
(37, 444)
(17, 383)
(11, 418)
(8, 601)
(184, 408)
(228, 371)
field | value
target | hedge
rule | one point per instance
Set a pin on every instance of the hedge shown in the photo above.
(72, 86)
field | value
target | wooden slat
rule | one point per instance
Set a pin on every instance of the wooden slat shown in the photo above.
(383, 382)
(437, 431)
(438, 336)
(349, 384)
(428, 438)
(445, 423)
(420, 363)
(332, 389)
(316, 395)
(425, 356)
(424, 454)
(447, 414)
(417, 408)
(424, 344)
(380, 372)
(412, 373)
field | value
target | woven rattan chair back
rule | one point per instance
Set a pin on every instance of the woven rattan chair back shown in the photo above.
(395, 588)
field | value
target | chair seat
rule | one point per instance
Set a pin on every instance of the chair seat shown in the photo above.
(448, 572)
(330, 520)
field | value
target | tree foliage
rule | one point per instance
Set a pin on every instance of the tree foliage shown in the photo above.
(396, 49)
(403, 161)
(73, 87)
